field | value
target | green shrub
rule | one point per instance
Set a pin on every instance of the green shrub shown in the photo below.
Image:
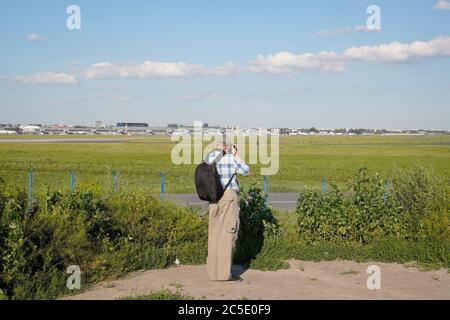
(374, 211)
(323, 216)
(425, 196)
(414, 206)
(256, 220)
(113, 233)
(103, 234)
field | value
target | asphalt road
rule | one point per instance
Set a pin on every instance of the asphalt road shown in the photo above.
(281, 201)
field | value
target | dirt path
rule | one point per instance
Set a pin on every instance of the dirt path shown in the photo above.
(305, 280)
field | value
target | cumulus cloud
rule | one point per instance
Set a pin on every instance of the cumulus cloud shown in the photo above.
(400, 52)
(286, 62)
(44, 78)
(148, 69)
(35, 37)
(329, 61)
(442, 5)
(225, 70)
(278, 63)
(363, 28)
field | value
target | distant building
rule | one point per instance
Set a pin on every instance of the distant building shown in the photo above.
(31, 129)
(131, 125)
(133, 128)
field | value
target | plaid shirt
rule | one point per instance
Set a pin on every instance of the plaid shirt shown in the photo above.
(227, 166)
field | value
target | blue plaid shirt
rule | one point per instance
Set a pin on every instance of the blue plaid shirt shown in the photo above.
(227, 166)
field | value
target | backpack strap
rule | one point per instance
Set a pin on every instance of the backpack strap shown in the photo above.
(216, 161)
(229, 182)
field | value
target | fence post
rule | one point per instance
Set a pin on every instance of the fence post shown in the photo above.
(72, 180)
(30, 190)
(386, 195)
(114, 173)
(324, 184)
(162, 184)
(266, 189)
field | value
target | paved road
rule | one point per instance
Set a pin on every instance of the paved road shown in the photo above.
(282, 201)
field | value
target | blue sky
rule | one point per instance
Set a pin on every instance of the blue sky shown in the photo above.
(247, 63)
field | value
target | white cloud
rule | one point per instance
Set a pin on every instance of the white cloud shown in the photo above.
(279, 63)
(35, 37)
(442, 5)
(343, 30)
(44, 78)
(400, 52)
(322, 33)
(148, 69)
(286, 62)
(326, 61)
(225, 70)
(363, 28)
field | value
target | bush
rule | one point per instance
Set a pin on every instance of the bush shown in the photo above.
(113, 233)
(323, 217)
(103, 234)
(106, 234)
(414, 206)
(426, 198)
(256, 222)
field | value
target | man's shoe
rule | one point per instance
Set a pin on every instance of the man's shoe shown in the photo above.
(235, 279)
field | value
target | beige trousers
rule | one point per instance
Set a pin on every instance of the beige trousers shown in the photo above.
(222, 235)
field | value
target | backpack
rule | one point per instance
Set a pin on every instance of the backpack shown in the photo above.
(207, 181)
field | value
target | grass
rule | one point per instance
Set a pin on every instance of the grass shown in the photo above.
(350, 272)
(129, 230)
(426, 255)
(428, 249)
(139, 161)
(164, 294)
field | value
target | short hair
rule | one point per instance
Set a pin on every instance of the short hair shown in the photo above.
(221, 145)
(230, 147)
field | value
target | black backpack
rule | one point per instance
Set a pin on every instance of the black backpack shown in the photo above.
(207, 181)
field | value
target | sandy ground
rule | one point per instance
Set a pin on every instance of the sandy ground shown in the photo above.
(303, 281)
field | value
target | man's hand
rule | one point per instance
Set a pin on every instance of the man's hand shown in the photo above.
(235, 151)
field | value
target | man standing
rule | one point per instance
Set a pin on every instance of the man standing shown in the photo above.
(224, 215)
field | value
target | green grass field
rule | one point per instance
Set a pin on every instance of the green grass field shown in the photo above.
(139, 161)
